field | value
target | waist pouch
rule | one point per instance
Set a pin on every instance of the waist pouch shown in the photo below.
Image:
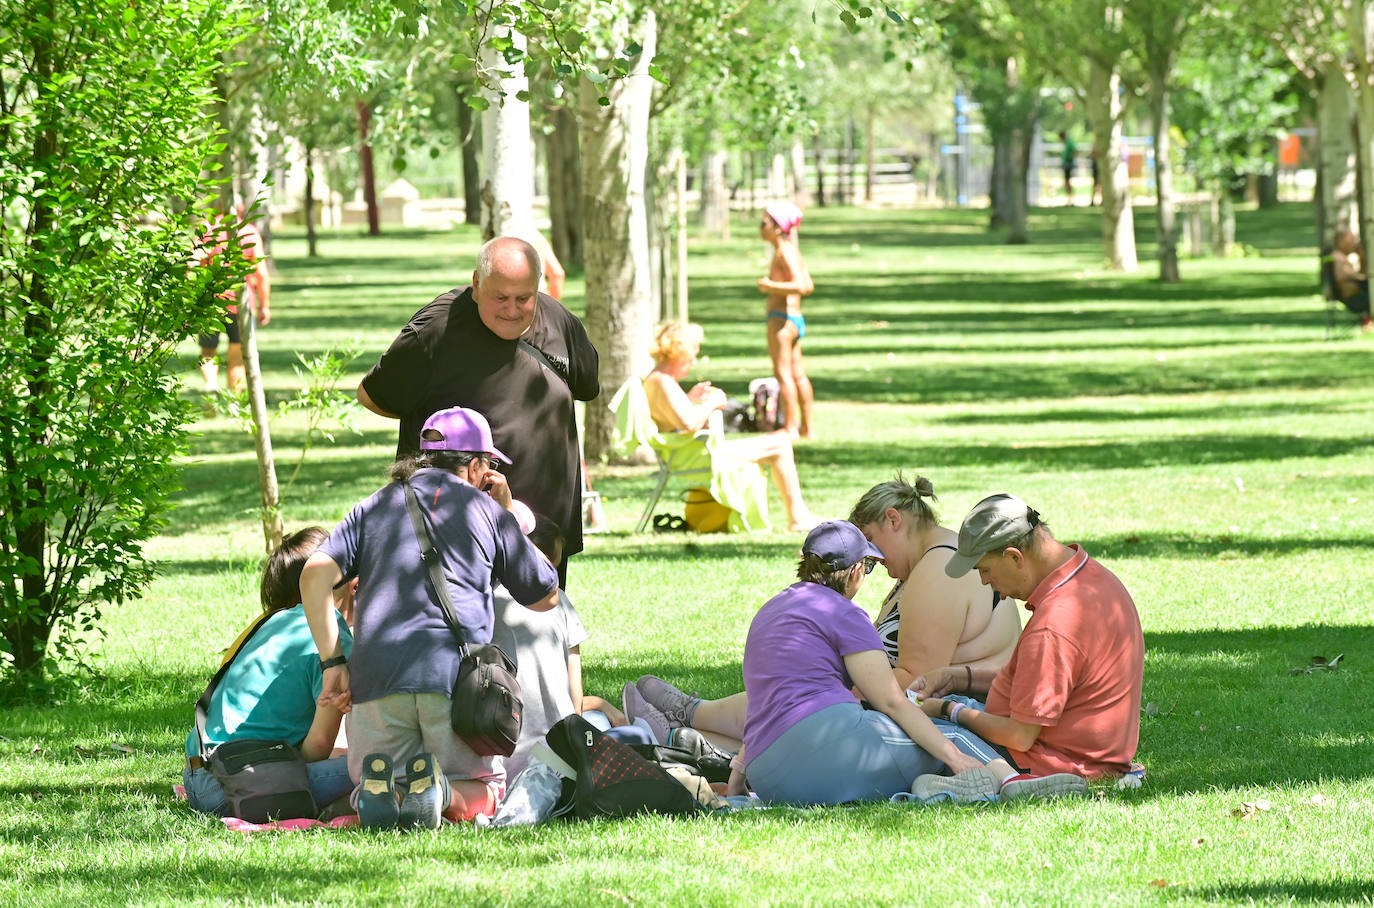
(263, 780)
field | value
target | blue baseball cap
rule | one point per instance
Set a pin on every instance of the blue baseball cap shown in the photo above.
(839, 544)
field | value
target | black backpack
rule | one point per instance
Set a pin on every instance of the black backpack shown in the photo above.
(612, 780)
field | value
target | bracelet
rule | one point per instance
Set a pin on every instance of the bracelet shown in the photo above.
(944, 709)
(969, 669)
(331, 663)
(954, 712)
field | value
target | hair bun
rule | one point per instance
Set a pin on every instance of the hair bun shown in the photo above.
(924, 487)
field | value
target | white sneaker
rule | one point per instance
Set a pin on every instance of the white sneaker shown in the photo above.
(968, 787)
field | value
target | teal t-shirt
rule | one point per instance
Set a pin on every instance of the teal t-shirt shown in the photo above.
(270, 690)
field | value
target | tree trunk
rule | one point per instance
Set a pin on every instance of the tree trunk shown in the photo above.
(1166, 227)
(311, 240)
(777, 177)
(507, 151)
(1224, 234)
(818, 146)
(1017, 207)
(31, 624)
(801, 196)
(715, 195)
(1106, 111)
(614, 141)
(224, 163)
(653, 234)
(367, 171)
(565, 187)
(999, 183)
(870, 157)
(262, 432)
(933, 168)
(470, 137)
(681, 270)
(1336, 148)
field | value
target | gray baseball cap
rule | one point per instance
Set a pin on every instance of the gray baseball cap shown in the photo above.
(994, 523)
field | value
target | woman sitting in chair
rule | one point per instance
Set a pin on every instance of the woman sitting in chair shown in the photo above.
(675, 349)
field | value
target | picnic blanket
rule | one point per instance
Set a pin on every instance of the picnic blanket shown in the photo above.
(237, 825)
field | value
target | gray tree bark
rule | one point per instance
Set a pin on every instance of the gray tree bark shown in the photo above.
(615, 149)
(1106, 111)
(1335, 118)
(1166, 229)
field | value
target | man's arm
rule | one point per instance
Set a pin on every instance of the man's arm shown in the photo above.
(366, 400)
(1003, 730)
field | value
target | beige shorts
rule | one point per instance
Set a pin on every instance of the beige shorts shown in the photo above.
(403, 725)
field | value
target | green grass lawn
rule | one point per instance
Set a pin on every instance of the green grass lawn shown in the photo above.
(1204, 440)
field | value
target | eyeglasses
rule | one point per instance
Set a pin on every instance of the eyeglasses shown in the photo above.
(869, 564)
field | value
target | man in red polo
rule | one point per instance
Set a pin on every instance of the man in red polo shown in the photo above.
(1068, 700)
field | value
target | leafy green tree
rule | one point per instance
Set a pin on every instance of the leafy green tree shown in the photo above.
(103, 137)
(1235, 97)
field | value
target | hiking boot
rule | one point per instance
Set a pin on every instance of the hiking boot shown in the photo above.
(675, 705)
(1056, 785)
(377, 808)
(428, 796)
(968, 787)
(641, 712)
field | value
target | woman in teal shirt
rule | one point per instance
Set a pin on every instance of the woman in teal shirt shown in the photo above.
(269, 691)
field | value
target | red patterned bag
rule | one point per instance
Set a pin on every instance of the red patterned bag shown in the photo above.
(613, 780)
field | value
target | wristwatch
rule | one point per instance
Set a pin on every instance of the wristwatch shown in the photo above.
(944, 709)
(330, 663)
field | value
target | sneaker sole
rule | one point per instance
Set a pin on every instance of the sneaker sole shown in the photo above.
(377, 808)
(972, 786)
(1057, 785)
(423, 806)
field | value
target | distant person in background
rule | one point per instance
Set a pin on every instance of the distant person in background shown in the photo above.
(1348, 272)
(256, 294)
(787, 282)
(1068, 162)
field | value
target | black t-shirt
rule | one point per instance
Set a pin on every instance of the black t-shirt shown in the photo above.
(445, 357)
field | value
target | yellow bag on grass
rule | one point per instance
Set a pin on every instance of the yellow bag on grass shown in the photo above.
(703, 513)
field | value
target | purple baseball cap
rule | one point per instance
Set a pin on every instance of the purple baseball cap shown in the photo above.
(462, 430)
(839, 544)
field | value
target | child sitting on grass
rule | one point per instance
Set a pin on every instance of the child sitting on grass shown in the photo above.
(547, 649)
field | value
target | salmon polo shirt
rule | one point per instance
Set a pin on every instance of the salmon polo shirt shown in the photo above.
(1076, 670)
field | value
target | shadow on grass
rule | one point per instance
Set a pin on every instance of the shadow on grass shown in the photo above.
(1293, 891)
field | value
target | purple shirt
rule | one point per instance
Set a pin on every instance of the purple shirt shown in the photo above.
(401, 643)
(794, 659)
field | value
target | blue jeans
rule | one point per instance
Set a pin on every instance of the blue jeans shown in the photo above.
(329, 781)
(847, 753)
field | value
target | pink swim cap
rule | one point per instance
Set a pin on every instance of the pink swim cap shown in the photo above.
(784, 214)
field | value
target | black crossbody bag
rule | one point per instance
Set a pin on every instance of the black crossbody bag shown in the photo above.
(262, 780)
(487, 709)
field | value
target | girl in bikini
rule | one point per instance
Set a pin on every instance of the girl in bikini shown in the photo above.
(787, 282)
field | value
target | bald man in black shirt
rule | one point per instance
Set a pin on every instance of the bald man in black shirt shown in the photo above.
(515, 355)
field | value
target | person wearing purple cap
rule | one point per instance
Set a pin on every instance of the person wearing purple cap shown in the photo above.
(787, 282)
(398, 679)
(807, 740)
(514, 354)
